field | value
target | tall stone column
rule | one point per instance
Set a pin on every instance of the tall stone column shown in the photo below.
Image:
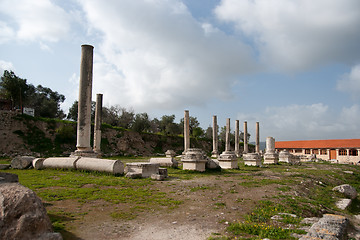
(215, 152)
(257, 141)
(186, 131)
(227, 136)
(97, 125)
(237, 151)
(270, 156)
(246, 146)
(84, 104)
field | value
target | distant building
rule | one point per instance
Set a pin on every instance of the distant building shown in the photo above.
(344, 150)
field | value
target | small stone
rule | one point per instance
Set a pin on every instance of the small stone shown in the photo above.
(22, 162)
(347, 190)
(343, 203)
(4, 166)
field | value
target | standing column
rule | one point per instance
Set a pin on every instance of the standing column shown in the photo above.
(227, 137)
(186, 131)
(84, 105)
(246, 147)
(237, 151)
(257, 141)
(215, 152)
(97, 126)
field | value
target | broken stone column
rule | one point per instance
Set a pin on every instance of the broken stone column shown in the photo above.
(270, 157)
(237, 151)
(215, 152)
(100, 165)
(246, 146)
(228, 159)
(257, 140)
(168, 161)
(84, 103)
(186, 131)
(97, 125)
(285, 156)
(194, 159)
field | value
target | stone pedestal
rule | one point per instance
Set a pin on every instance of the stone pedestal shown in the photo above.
(270, 157)
(141, 169)
(285, 156)
(228, 160)
(194, 159)
(252, 159)
(170, 153)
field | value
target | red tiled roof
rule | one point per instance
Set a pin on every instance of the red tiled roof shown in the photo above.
(335, 143)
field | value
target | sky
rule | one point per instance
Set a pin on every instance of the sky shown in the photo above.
(291, 65)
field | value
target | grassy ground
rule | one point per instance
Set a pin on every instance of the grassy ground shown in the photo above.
(301, 190)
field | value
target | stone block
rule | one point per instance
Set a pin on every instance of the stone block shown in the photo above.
(228, 160)
(146, 169)
(60, 162)
(170, 153)
(252, 159)
(271, 158)
(165, 162)
(8, 177)
(4, 166)
(133, 175)
(285, 156)
(157, 177)
(100, 165)
(163, 172)
(212, 163)
(346, 189)
(343, 203)
(22, 162)
(38, 163)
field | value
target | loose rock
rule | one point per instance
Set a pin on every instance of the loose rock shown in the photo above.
(22, 162)
(347, 190)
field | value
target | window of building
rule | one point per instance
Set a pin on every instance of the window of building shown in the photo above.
(323, 152)
(307, 151)
(342, 152)
(353, 152)
(297, 150)
(315, 151)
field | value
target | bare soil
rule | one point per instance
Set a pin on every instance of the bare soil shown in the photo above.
(209, 204)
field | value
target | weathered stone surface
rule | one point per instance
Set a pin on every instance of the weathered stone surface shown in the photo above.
(252, 159)
(347, 190)
(170, 153)
(163, 172)
(100, 165)
(285, 156)
(343, 203)
(194, 159)
(60, 162)
(4, 166)
(330, 226)
(38, 163)
(8, 178)
(22, 162)
(22, 214)
(157, 177)
(165, 162)
(133, 175)
(228, 160)
(212, 163)
(146, 169)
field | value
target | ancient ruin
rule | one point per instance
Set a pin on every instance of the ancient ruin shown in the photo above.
(97, 125)
(84, 103)
(194, 159)
(186, 131)
(215, 152)
(237, 150)
(168, 161)
(246, 146)
(228, 159)
(257, 138)
(270, 157)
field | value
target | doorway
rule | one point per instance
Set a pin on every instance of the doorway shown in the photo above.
(332, 154)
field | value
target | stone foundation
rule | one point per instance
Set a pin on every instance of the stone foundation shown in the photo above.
(143, 169)
(271, 158)
(252, 159)
(194, 159)
(228, 160)
(285, 156)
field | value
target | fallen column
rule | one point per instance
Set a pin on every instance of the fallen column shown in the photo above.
(60, 162)
(100, 165)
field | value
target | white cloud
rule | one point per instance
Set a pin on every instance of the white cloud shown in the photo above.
(297, 35)
(6, 66)
(154, 54)
(350, 82)
(35, 20)
(305, 122)
(6, 32)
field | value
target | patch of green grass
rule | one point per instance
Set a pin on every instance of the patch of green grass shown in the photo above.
(284, 188)
(195, 189)
(262, 182)
(123, 215)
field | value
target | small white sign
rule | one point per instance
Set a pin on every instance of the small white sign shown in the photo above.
(29, 111)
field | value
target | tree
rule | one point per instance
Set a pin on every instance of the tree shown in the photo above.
(168, 126)
(13, 88)
(73, 111)
(193, 124)
(141, 122)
